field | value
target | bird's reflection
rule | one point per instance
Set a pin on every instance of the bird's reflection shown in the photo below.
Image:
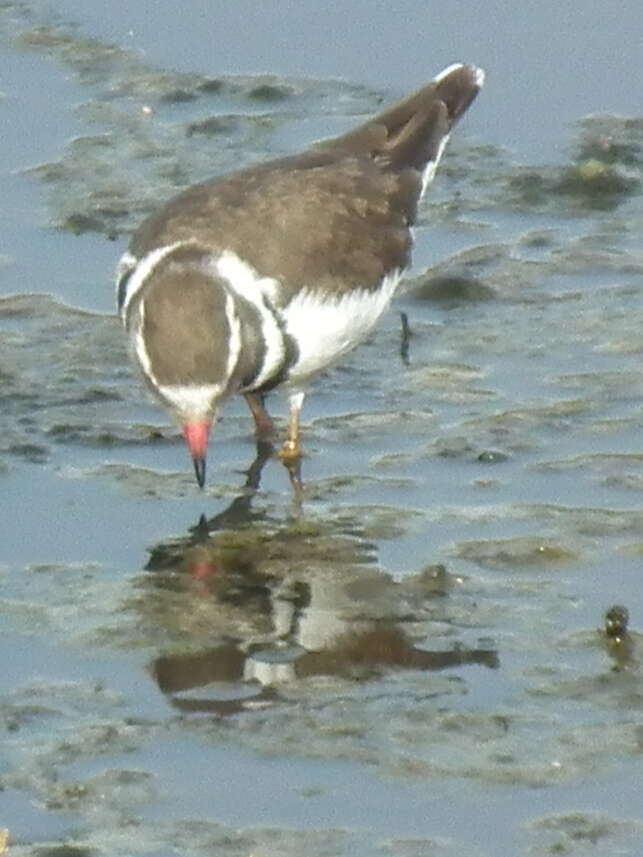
(269, 601)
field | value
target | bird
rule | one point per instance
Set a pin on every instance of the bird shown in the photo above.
(266, 276)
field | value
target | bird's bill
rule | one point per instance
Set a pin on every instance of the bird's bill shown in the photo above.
(196, 434)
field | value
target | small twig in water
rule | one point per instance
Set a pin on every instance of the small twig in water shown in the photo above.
(407, 333)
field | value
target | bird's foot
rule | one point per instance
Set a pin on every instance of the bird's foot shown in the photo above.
(291, 455)
(290, 452)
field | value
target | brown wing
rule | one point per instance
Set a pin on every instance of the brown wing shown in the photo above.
(288, 218)
(333, 218)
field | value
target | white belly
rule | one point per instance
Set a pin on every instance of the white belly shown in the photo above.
(324, 331)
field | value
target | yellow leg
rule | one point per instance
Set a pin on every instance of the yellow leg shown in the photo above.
(291, 449)
(290, 453)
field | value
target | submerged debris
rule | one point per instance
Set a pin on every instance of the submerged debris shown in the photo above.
(518, 553)
(597, 184)
(605, 171)
(451, 289)
(616, 620)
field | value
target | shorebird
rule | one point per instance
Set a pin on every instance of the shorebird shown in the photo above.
(266, 276)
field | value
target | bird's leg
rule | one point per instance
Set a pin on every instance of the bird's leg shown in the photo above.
(264, 428)
(290, 453)
(291, 449)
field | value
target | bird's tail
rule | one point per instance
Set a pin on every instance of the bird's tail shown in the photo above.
(413, 132)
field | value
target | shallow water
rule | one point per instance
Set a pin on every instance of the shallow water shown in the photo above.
(411, 663)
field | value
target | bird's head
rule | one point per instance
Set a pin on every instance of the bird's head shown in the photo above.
(186, 336)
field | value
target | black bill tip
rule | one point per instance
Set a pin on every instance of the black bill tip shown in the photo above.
(199, 470)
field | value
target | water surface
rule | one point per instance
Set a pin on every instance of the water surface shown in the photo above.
(412, 662)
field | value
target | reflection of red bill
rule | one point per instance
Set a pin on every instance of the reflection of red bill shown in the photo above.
(203, 569)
